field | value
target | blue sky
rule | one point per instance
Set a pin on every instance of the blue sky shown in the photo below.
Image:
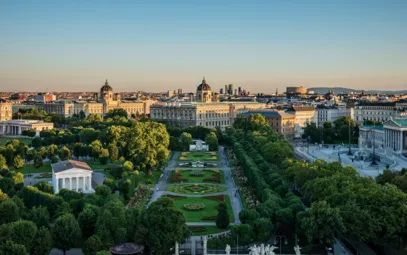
(162, 45)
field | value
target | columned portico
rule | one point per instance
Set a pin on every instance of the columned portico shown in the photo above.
(396, 135)
(16, 127)
(72, 175)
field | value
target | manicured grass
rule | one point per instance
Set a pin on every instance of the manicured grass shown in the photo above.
(210, 208)
(150, 181)
(209, 230)
(188, 175)
(196, 189)
(30, 169)
(96, 165)
(4, 140)
(199, 156)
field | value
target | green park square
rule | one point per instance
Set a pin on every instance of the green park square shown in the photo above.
(207, 174)
(210, 208)
(199, 156)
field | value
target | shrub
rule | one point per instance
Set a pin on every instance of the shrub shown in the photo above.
(175, 197)
(197, 229)
(209, 217)
(194, 207)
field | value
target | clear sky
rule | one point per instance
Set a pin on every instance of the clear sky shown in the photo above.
(74, 45)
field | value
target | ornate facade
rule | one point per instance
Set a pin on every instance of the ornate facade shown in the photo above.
(5, 110)
(204, 112)
(107, 100)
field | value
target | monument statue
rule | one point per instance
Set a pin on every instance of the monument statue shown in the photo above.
(253, 250)
(262, 249)
(227, 249)
(271, 250)
(176, 248)
(297, 250)
(205, 242)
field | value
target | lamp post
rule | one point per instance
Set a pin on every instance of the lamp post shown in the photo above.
(374, 145)
(280, 239)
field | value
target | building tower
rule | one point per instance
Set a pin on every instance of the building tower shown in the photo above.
(106, 93)
(204, 92)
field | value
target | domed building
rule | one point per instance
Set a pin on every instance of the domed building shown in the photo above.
(106, 92)
(204, 92)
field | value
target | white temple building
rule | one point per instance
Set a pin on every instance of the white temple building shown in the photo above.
(72, 175)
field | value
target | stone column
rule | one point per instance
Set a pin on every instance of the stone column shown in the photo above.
(77, 182)
(56, 185)
(63, 183)
(90, 182)
(176, 248)
(70, 183)
(205, 241)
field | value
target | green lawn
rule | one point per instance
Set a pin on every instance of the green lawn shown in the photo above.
(4, 140)
(189, 176)
(209, 230)
(210, 208)
(196, 189)
(30, 169)
(199, 156)
(96, 164)
(150, 181)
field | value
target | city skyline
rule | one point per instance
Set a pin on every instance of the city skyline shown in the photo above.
(75, 46)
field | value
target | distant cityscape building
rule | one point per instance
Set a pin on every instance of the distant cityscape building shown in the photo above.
(5, 110)
(296, 91)
(380, 111)
(303, 115)
(45, 97)
(330, 113)
(108, 100)
(204, 111)
(16, 127)
(282, 122)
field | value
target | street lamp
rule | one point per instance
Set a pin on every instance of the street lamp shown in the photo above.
(279, 239)
(349, 152)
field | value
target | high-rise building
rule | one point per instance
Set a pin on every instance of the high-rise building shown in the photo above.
(221, 91)
(226, 89)
(235, 92)
(230, 91)
(179, 91)
(240, 90)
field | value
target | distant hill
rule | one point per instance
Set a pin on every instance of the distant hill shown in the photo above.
(324, 90)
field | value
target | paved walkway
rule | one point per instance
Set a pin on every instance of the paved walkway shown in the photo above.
(162, 184)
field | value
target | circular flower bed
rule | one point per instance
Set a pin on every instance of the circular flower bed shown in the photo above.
(194, 207)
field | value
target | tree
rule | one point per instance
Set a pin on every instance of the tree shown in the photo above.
(96, 148)
(3, 196)
(103, 191)
(116, 112)
(65, 232)
(222, 219)
(64, 153)
(104, 156)
(18, 162)
(12, 248)
(43, 152)
(37, 161)
(212, 141)
(42, 243)
(23, 232)
(92, 245)
(45, 187)
(320, 222)
(113, 152)
(103, 253)
(166, 225)
(9, 211)
(52, 150)
(185, 141)
(36, 142)
(3, 163)
(127, 166)
(40, 216)
(87, 220)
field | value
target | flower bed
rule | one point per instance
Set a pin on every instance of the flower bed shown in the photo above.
(176, 177)
(194, 207)
(209, 218)
(141, 193)
(219, 198)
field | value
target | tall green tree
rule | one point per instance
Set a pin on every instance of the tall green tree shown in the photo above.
(212, 141)
(185, 141)
(66, 232)
(38, 161)
(64, 153)
(9, 211)
(42, 243)
(12, 248)
(166, 225)
(3, 162)
(104, 156)
(18, 162)
(222, 219)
